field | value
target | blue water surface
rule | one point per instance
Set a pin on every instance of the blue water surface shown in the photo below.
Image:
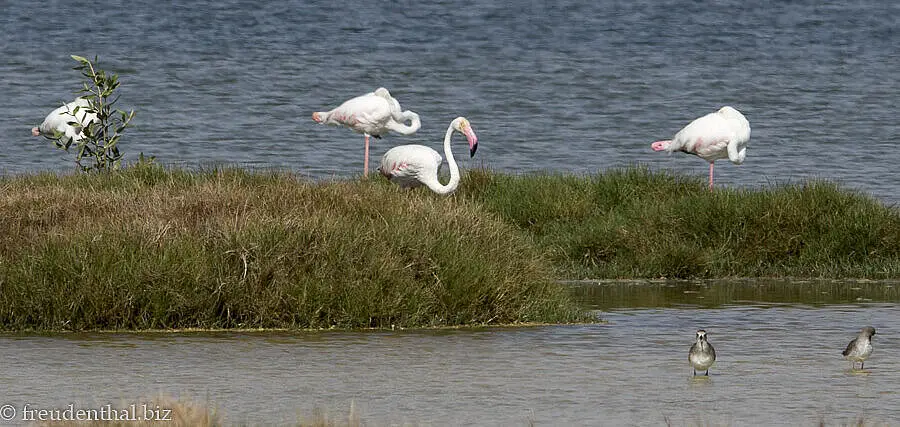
(568, 86)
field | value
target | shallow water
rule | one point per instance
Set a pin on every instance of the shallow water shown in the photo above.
(575, 86)
(779, 364)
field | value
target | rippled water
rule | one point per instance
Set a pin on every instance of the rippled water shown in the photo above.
(779, 364)
(569, 86)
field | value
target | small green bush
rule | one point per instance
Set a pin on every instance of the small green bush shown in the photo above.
(99, 149)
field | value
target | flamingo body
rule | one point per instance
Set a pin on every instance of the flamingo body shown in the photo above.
(405, 164)
(58, 121)
(373, 114)
(720, 135)
(414, 165)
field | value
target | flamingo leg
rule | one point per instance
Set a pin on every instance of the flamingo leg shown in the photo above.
(366, 159)
(711, 176)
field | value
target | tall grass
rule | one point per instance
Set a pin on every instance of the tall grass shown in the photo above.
(151, 248)
(148, 248)
(631, 223)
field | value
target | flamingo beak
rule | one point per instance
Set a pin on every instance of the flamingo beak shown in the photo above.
(35, 132)
(316, 118)
(473, 140)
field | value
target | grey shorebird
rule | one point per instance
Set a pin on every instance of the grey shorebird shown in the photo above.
(860, 348)
(702, 354)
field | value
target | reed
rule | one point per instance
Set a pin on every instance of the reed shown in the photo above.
(150, 248)
(634, 223)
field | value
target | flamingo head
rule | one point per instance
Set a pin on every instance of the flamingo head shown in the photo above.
(729, 111)
(35, 132)
(317, 117)
(461, 124)
(382, 92)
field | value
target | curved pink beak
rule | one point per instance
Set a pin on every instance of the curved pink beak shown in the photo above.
(316, 118)
(35, 132)
(473, 140)
(660, 145)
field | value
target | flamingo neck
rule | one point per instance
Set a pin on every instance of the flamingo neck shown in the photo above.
(324, 117)
(436, 185)
(398, 123)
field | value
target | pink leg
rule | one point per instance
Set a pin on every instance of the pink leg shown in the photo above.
(366, 160)
(710, 176)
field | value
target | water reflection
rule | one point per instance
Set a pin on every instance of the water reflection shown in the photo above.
(607, 295)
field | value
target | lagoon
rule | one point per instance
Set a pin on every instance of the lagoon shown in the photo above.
(779, 345)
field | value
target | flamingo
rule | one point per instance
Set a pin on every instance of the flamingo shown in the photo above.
(411, 166)
(372, 114)
(719, 135)
(57, 122)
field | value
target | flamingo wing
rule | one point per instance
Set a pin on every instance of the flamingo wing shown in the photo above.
(707, 137)
(363, 114)
(409, 165)
(58, 120)
(720, 135)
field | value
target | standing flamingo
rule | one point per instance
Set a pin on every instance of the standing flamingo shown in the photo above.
(413, 165)
(374, 114)
(58, 121)
(719, 135)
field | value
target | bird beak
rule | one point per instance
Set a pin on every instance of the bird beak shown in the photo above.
(473, 140)
(316, 117)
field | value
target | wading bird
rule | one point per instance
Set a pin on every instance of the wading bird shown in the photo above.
(58, 121)
(720, 135)
(860, 347)
(702, 354)
(411, 166)
(373, 114)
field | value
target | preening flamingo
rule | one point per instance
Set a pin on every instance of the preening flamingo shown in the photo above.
(58, 121)
(413, 165)
(719, 135)
(373, 114)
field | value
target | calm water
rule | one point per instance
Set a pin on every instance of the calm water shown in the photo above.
(573, 86)
(779, 364)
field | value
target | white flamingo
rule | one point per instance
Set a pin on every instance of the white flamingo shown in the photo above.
(720, 135)
(373, 114)
(411, 166)
(58, 121)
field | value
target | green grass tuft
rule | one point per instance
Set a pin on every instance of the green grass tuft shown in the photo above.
(151, 248)
(148, 248)
(634, 223)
